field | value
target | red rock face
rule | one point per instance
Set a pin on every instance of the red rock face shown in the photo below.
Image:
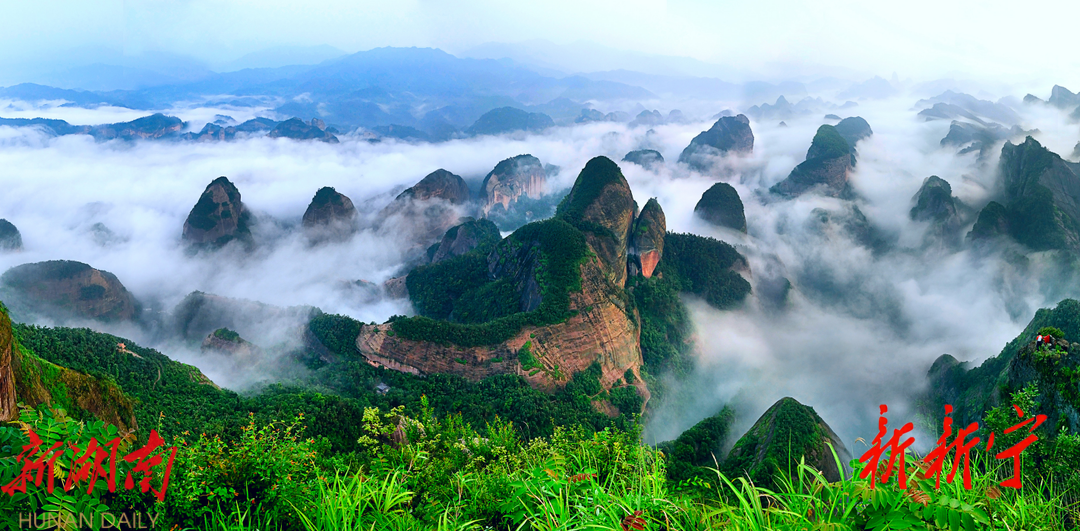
(8, 408)
(600, 332)
(512, 178)
(649, 260)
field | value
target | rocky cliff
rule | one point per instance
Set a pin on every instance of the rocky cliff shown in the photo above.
(512, 178)
(730, 134)
(721, 206)
(647, 241)
(10, 239)
(439, 184)
(63, 290)
(853, 129)
(649, 159)
(1040, 204)
(508, 120)
(786, 432)
(1052, 368)
(828, 163)
(32, 381)
(298, 129)
(219, 217)
(460, 239)
(602, 207)
(423, 213)
(935, 204)
(145, 128)
(547, 357)
(329, 216)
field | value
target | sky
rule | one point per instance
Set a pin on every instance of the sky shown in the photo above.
(923, 39)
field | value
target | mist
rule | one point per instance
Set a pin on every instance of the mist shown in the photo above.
(860, 327)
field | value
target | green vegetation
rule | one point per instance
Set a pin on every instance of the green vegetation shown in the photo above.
(327, 195)
(720, 205)
(828, 143)
(1051, 331)
(703, 266)
(787, 431)
(665, 325)
(698, 448)
(993, 221)
(526, 358)
(560, 251)
(1035, 221)
(435, 288)
(443, 453)
(436, 472)
(597, 174)
(227, 335)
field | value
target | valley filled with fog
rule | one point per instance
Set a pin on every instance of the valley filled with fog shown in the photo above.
(861, 324)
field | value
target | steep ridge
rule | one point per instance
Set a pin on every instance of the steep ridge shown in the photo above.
(29, 380)
(785, 432)
(63, 289)
(828, 163)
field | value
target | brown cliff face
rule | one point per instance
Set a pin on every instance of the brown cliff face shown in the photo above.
(602, 207)
(423, 213)
(32, 381)
(65, 289)
(600, 332)
(439, 184)
(8, 403)
(828, 164)
(329, 216)
(512, 178)
(647, 246)
(219, 217)
(464, 238)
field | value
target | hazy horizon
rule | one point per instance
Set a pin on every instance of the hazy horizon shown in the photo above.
(773, 41)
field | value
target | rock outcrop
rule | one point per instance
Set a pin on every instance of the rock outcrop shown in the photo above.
(786, 432)
(146, 128)
(853, 129)
(423, 213)
(730, 134)
(1041, 196)
(219, 217)
(600, 331)
(601, 206)
(973, 391)
(10, 239)
(27, 379)
(508, 120)
(225, 341)
(460, 239)
(512, 178)
(200, 314)
(649, 159)
(828, 163)
(439, 184)
(298, 129)
(330, 215)
(647, 241)
(1076, 153)
(1063, 98)
(993, 221)
(934, 203)
(209, 133)
(721, 206)
(64, 290)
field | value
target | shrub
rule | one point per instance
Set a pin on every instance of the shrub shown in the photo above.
(1051, 331)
